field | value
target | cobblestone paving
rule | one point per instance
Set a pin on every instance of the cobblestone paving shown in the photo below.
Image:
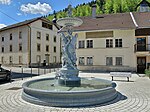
(133, 96)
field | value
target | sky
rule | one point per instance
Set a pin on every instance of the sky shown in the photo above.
(14, 11)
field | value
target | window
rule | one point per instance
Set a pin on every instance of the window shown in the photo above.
(2, 60)
(54, 38)
(2, 39)
(46, 25)
(47, 48)
(54, 48)
(38, 59)
(11, 36)
(10, 48)
(109, 43)
(81, 61)
(49, 26)
(118, 61)
(20, 59)
(20, 47)
(38, 47)
(20, 35)
(54, 59)
(2, 49)
(10, 60)
(89, 43)
(47, 37)
(109, 61)
(89, 60)
(81, 44)
(118, 42)
(38, 35)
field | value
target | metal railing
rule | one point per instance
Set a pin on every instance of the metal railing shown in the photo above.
(141, 47)
(21, 73)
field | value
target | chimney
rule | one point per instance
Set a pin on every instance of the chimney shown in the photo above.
(94, 11)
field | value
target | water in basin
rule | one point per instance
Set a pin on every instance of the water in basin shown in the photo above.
(86, 84)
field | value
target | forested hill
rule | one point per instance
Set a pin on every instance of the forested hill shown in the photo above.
(103, 7)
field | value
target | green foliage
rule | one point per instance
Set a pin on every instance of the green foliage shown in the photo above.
(103, 6)
(147, 72)
(109, 6)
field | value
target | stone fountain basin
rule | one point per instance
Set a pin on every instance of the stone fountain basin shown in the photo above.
(47, 92)
(69, 21)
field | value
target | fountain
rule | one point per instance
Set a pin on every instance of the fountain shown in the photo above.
(67, 89)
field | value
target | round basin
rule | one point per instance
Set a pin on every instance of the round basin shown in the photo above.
(69, 21)
(47, 92)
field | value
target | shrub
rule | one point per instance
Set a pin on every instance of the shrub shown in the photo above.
(147, 72)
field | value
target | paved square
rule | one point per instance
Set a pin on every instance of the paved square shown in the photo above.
(133, 96)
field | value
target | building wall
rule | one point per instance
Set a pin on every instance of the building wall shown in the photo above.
(15, 45)
(25, 41)
(99, 52)
(37, 27)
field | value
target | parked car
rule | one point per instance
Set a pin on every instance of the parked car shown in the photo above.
(5, 74)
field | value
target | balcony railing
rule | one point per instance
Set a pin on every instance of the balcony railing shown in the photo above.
(141, 47)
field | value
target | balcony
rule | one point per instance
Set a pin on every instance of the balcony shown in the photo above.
(141, 47)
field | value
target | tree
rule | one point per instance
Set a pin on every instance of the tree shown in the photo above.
(124, 6)
(109, 6)
(103, 6)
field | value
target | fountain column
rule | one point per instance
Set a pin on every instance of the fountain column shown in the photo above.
(68, 74)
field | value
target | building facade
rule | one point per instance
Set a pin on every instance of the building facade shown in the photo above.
(31, 43)
(114, 42)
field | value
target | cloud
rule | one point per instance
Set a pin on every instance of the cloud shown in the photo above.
(36, 9)
(19, 14)
(2, 25)
(6, 2)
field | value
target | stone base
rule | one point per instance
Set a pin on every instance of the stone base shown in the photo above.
(69, 77)
(66, 72)
(71, 82)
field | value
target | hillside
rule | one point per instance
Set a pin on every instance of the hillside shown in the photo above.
(103, 7)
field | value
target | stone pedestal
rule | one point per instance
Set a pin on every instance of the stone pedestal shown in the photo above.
(69, 77)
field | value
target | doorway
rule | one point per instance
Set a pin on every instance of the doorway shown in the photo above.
(141, 64)
(47, 58)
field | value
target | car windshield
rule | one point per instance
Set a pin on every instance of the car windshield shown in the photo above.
(1, 70)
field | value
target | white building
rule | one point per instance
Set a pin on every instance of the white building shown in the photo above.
(31, 42)
(114, 42)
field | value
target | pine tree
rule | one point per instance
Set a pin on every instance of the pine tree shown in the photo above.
(103, 6)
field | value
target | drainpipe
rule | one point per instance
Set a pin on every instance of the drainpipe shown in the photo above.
(29, 57)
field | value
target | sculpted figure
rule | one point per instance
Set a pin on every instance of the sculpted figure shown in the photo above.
(68, 50)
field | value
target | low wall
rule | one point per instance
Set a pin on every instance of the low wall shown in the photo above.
(107, 68)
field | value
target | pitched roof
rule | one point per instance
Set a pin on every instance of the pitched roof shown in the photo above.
(26, 22)
(142, 19)
(107, 22)
(115, 21)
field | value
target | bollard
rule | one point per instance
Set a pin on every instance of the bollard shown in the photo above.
(49, 70)
(22, 72)
(10, 76)
(38, 71)
(31, 72)
(45, 71)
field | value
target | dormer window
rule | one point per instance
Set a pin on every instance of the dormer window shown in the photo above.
(144, 6)
(46, 25)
